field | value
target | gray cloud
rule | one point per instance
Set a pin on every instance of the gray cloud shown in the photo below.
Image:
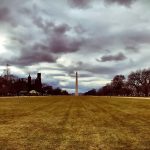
(46, 47)
(61, 29)
(38, 56)
(32, 59)
(132, 48)
(90, 68)
(62, 43)
(4, 14)
(35, 32)
(86, 3)
(118, 57)
(79, 3)
(31, 55)
(58, 41)
(121, 2)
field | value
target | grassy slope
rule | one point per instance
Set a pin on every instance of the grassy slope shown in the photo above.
(74, 123)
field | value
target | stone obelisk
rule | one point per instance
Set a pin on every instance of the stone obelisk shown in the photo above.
(76, 85)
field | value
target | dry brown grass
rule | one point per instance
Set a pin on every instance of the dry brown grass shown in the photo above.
(74, 123)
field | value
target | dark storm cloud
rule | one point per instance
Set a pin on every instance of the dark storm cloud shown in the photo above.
(47, 50)
(32, 59)
(55, 42)
(61, 29)
(101, 69)
(127, 39)
(132, 48)
(86, 3)
(56, 37)
(62, 43)
(9, 11)
(33, 55)
(4, 14)
(45, 25)
(38, 53)
(48, 30)
(49, 26)
(134, 37)
(79, 3)
(85, 75)
(117, 57)
(58, 41)
(121, 2)
(90, 68)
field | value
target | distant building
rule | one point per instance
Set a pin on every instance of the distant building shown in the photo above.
(29, 83)
(35, 84)
(26, 86)
(38, 83)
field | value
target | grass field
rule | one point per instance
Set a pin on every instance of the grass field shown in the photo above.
(74, 123)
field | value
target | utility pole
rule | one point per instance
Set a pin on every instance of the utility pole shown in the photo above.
(7, 72)
(76, 85)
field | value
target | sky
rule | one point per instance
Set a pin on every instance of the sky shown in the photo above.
(97, 38)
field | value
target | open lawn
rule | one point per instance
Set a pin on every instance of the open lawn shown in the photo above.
(74, 123)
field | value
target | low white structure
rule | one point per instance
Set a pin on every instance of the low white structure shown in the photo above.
(33, 92)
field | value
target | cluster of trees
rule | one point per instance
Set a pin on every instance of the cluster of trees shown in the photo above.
(49, 90)
(13, 86)
(136, 84)
(9, 87)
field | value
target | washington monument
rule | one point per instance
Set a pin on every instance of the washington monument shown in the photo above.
(76, 85)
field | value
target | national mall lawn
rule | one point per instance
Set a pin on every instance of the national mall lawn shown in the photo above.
(74, 123)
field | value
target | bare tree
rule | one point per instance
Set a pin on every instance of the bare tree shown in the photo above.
(118, 84)
(140, 80)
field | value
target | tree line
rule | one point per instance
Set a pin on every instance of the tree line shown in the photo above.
(14, 86)
(136, 84)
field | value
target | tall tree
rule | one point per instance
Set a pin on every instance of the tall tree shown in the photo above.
(145, 81)
(140, 80)
(118, 84)
(91, 92)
